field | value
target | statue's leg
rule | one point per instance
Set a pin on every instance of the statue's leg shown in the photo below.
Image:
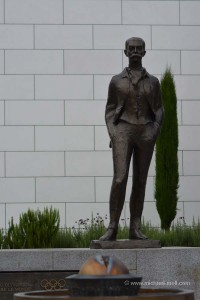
(122, 152)
(141, 161)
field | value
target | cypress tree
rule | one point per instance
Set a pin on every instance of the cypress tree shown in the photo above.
(167, 176)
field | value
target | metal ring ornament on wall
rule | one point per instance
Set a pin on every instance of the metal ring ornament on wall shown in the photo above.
(53, 284)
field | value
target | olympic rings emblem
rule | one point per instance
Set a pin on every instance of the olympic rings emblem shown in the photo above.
(52, 284)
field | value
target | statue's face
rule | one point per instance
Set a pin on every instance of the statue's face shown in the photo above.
(135, 49)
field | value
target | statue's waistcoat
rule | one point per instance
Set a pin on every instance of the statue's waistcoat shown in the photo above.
(137, 109)
(134, 99)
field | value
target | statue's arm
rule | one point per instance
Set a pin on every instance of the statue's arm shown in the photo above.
(110, 109)
(111, 104)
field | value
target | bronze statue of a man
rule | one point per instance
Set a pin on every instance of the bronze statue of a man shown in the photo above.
(134, 115)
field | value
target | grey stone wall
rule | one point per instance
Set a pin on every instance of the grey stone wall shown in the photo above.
(173, 267)
(56, 60)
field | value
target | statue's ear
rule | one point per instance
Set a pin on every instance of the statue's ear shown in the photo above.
(144, 52)
(125, 52)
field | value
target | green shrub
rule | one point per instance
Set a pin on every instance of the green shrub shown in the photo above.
(1, 238)
(36, 229)
(14, 238)
(167, 176)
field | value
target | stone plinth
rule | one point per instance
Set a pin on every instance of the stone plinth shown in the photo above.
(167, 267)
(125, 244)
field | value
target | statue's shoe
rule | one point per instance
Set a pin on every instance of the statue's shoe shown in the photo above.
(110, 235)
(136, 234)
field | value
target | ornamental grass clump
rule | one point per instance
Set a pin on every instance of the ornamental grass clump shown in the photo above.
(81, 235)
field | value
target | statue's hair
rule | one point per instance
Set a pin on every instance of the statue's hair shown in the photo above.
(134, 38)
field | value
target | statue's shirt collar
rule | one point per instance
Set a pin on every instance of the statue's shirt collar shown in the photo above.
(125, 73)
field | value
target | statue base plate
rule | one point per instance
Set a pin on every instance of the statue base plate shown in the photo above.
(125, 244)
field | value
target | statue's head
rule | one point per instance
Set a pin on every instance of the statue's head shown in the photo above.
(135, 48)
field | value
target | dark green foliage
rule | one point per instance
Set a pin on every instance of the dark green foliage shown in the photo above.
(1, 238)
(80, 237)
(167, 176)
(36, 229)
(14, 239)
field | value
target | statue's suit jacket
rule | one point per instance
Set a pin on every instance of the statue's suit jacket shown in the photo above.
(119, 91)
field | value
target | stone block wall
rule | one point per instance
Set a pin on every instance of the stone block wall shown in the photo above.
(56, 60)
